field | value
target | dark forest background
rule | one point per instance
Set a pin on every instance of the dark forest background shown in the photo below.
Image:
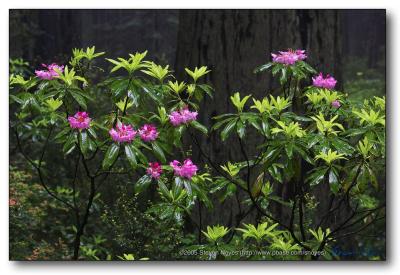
(349, 44)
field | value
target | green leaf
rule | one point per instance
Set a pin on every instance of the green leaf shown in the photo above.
(177, 135)
(153, 94)
(289, 170)
(158, 152)
(199, 127)
(32, 103)
(296, 117)
(142, 183)
(130, 155)
(342, 146)
(202, 195)
(283, 77)
(197, 72)
(273, 170)
(303, 154)
(229, 191)
(221, 122)
(355, 132)
(54, 104)
(92, 133)
(289, 150)
(271, 155)
(206, 88)
(16, 99)
(81, 93)
(373, 179)
(79, 99)
(156, 71)
(139, 154)
(314, 140)
(306, 66)
(263, 67)
(188, 186)
(176, 87)
(163, 188)
(257, 186)
(223, 116)
(228, 128)
(118, 87)
(111, 155)
(178, 183)
(92, 145)
(367, 201)
(265, 128)
(62, 133)
(84, 142)
(317, 176)
(69, 145)
(240, 128)
(334, 181)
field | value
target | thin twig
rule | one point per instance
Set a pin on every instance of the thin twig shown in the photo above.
(39, 170)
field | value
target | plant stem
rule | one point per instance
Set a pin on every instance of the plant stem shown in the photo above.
(80, 231)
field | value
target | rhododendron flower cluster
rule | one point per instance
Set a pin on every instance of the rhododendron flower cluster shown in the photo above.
(50, 73)
(335, 104)
(154, 170)
(122, 133)
(328, 82)
(185, 170)
(148, 132)
(289, 57)
(80, 120)
(182, 116)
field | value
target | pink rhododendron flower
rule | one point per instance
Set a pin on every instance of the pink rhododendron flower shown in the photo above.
(289, 57)
(175, 118)
(122, 133)
(176, 165)
(154, 170)
(182, 116)
(50, 73)
(185, 170)
(328, 82)
(148, 132)
(187, 115)
(335, 104)
(80, 120)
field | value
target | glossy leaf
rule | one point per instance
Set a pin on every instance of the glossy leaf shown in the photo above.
(111, 155)
(130, 155)
(142, 184)
(158, 152)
